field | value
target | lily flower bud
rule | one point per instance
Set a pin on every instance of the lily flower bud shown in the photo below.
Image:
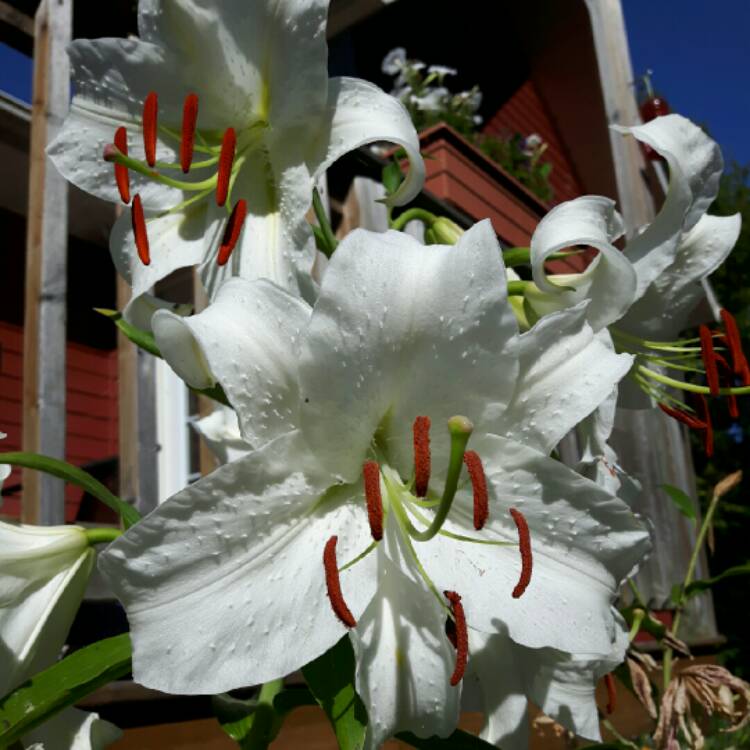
(445, 232)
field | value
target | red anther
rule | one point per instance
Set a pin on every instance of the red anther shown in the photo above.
(709, 359)
(479, 485)
(333, 584)
(422, 461)
(682, 416)
(150, 112)
(609, 681)
(232, 231)
(189, 119)
(708, 435)
(139, 231)
(121, 171)
(524, 543)
(734, 342)
(226, 157)
(734, 411)
(461, 635)
(371, 475)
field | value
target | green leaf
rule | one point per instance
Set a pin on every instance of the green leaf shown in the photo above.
(696, 587)
(331, 680)
(74, 475)
(62, 685)
(682, 502)
(254, 723)
(145, 340)
(459, 740)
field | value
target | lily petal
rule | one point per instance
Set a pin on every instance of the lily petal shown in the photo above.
(247, 341)
(72, 729)
(221, 431)
(43, 574)
(695, 167)
(177, 240)
(584, 542)
(404, 658)
(358, 113)
(402, 330)
(664, 310)
(610, 281)
(565, 372)
(234, 565)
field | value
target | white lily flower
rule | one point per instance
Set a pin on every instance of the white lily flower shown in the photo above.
(221, 431)
(43, 575)
(253, 76)
(441, 71)
(646, 294)
(393, 63)
(5, 469)
(262, 566)
(431, 101)
(562, 685)
(667, 251)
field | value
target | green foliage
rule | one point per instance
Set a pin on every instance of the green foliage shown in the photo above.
(682, 502)
(331, 680)
(62, 685)
(76, 476)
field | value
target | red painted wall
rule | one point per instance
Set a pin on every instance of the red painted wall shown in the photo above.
(525, 113)
(91, 409)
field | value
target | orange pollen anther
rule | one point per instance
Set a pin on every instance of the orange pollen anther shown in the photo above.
(189, 120)
(684, 417)
(232, 231)
(709, 359)
(458, 636)
(371, 475)
(708, 437)
(422, 461)
(734, 342)
(150, 112)
(609, 681)
(333, 584)
(226, 157)
(524, 543)
(139, 231)
(122, 177)
(479, 485)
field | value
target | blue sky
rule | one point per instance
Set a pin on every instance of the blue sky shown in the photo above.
(698, 50)
(700, 54)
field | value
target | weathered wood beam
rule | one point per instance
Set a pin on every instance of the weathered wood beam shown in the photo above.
(46, 267)
(13, 17)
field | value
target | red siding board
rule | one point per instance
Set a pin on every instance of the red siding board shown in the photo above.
(525, 113)
(91, 409)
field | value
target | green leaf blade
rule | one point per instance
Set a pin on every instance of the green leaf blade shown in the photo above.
(62, 685)
(74, 475)
(681, 501)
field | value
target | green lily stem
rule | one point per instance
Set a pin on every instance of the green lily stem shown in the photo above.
(265, 721)
(460, 429)
(691, 387)
(638, 617)
(101, 535)
(518, 288)
(689, 575)
(329, 241)
(413, 214)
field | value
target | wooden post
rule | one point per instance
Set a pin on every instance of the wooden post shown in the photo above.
(46, 267)
(127, 391)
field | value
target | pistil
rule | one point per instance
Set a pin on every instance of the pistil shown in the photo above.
(333, 584)
(460, 429)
